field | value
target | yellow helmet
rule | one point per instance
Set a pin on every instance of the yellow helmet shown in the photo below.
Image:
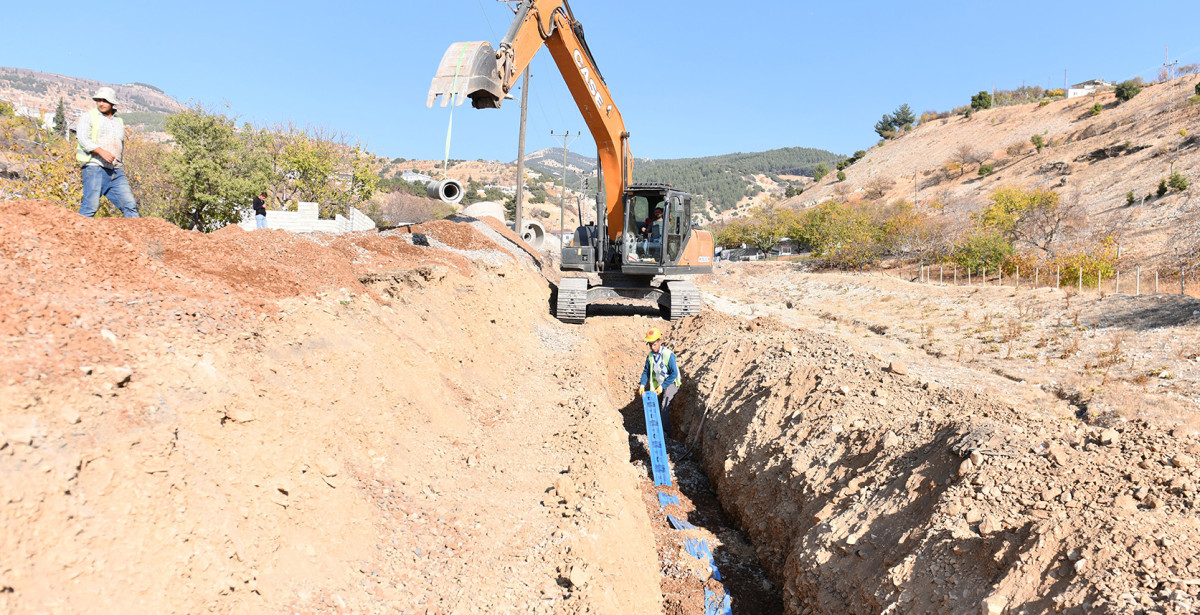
(653, 335)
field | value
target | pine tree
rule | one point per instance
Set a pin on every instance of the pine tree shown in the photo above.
(903, 117)
(60, 118)
(886, 127)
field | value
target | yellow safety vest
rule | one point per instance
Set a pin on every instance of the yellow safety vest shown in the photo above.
(86, 157)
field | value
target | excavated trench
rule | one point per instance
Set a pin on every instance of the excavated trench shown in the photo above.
(865, 490)
(380, 424)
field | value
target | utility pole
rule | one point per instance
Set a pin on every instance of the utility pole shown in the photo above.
(517, 224)
(567, 137)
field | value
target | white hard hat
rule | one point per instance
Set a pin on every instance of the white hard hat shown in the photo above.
(106, 93)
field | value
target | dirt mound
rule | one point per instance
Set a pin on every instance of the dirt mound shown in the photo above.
(267, 422)
(868, 491)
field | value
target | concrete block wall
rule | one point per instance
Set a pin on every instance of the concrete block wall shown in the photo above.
(305, 220)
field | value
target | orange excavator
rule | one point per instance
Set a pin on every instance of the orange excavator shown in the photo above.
(643, 245)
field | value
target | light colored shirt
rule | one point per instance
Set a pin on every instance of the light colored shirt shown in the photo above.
(110, 137)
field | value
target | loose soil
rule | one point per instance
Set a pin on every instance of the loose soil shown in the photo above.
(392, 422)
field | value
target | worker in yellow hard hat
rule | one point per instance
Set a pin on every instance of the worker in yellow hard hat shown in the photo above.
(661, 375)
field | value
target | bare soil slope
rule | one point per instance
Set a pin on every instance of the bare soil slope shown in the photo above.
(1096, 158)
(262, 422)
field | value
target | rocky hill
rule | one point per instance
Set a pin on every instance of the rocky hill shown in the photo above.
(1095, 155)
(35, 92)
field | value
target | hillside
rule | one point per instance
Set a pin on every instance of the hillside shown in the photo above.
(1092, 159)
(142, 104)
(726, 181)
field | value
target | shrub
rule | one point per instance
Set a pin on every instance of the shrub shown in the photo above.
(1162, 188)
(1055, 93)
(1129, 198)
(1091, 258)
(1198, 89)
(985, 169)
(982, 100)
(1178, 182)
(1097, 108)
(820, 171)
(1038, 142)
(6, 109)
(841, 176)
(1126, 90)
(1043, 103)
(981, 248)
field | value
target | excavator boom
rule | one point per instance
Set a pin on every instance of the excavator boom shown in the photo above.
(486, 75)
(628, 248)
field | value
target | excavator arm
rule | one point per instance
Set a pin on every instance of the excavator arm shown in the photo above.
(485, 74)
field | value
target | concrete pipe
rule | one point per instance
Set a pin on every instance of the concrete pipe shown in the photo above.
(533, 234)
(485, 209)
(448, 191)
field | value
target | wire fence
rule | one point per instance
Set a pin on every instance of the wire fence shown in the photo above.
(1135, 281)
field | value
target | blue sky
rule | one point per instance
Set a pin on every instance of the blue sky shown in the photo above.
(692, 78)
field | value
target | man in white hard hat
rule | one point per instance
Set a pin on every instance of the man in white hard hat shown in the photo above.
(101, 144)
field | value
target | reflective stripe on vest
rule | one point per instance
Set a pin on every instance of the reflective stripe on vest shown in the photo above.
(659, 371)
(86, 157)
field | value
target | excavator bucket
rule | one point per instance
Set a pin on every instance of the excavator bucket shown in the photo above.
(468, 70)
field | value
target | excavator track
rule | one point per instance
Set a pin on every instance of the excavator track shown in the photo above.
(683, 299)
(572, 300)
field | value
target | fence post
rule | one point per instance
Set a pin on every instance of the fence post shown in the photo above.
(1117, 290)
(1100, 282)
(1000, 278)
(1081, 280)
(1058, 277)
(941, 274)
(983, 276)
(1036, 271)
(1018, 277)
(968, 276)
(956, 275)
(1137, 286)
(1182, 282)
(1156, 281)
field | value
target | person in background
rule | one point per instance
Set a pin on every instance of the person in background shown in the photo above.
(660, 375)
(100, 145)
(260, 210)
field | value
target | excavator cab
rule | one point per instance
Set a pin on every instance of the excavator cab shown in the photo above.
(658, 220)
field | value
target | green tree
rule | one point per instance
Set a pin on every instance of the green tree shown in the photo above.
(1198, 89)
(982, 248)
(886, 127)
(60, 118)
(212, 168)
(1038, 142)
(903, 117)
(1097, 108)
(6, 109)
(820, 171)
(1177, 181)
(1126, 90)
(985, 170)
(1162, 188)
(1130, 198)
(841, 176)
(982, 100)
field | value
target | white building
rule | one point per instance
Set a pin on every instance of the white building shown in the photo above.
(1088, 87)
(410, 176)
